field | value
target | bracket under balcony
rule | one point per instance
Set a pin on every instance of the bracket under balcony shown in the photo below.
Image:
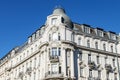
(54, 58)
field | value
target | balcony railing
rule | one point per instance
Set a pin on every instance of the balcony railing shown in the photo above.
(8, 68)
(92, 65)
(94, 78)
(28, 71)
(52, 75)
(108, 68)
(54, 58)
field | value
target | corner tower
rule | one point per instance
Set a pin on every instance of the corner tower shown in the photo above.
(58, 17)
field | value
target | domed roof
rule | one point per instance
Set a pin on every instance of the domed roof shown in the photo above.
(65, 19)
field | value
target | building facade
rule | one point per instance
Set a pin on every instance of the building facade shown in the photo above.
(64, 50)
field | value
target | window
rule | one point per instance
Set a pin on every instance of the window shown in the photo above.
(49, 37)
(54, 68)
(58, 36)
(62, 20)
(87, 30)
(79, 41)
(54, 52)
(89, 57)
(59, 52)
(80, 56)
(112, 36)
(55, 36)
(35, 62)
(72, 37)
(115, 76)
(99, 74)
(31, 50)
(107, 75)
(90, 73)
(81, 72)
(96, 45)
(39, 59)
(98, 60)
(105, 60)
(100, 33)
(104, 47)
(59, 69)
(113, 62)
(111, 48)
(88, 43)
(54, 21)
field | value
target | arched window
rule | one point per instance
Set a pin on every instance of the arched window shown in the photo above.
(96, 45)
(88, 43)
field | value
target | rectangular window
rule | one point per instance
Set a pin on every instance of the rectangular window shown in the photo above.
(80, 56)
(89, 57)
(59, 69)
(113, 62)
(100, 33)
(54, 52)
(54, 68)
(54, 21)
(81, 72)
(99, 74)
(79, 41)
(90, 73)
(87, 30)
(98, 60)
(59, 51)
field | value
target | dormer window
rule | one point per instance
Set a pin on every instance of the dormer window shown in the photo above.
(112, 36)
(100, 33)
(53, 22)
(87, 29)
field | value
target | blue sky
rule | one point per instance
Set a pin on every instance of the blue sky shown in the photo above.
(20, 18)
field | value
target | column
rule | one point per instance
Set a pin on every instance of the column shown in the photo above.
(63, 52)
(72, 64)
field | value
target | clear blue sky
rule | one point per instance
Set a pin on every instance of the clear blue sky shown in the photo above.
(20, 18)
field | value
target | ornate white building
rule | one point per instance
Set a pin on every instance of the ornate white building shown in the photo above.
(63, 50)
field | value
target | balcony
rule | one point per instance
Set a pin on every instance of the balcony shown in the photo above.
(8, 69)
(53, 75)
(108, 68)
(92, 65)
(115, 70)
(28, 71)
(99, 67)
(82, 64)
(94, 78)
(54, 58)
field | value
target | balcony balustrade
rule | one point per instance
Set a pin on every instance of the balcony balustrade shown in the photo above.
(108, 67)
(54, 58)
(28, 71)
(92, 65)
